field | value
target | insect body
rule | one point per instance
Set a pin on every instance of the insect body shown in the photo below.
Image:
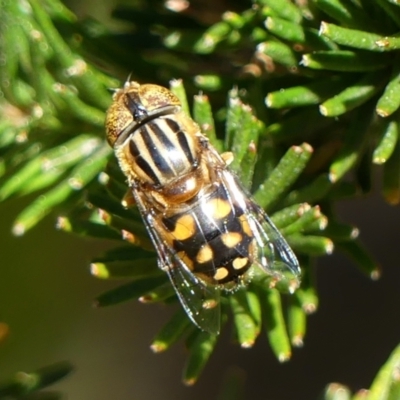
(207, 232)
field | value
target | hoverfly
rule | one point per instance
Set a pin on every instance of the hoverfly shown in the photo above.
(207, 231)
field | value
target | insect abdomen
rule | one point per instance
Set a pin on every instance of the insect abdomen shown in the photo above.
(213, 238)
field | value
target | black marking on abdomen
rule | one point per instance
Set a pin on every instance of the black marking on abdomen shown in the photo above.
(211, 234)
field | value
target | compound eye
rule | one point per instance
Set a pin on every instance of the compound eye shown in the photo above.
(118, 117)
(154, 97)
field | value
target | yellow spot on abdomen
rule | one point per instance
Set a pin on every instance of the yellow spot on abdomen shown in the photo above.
(221, 273)
(231, 239)
(205, 254)
(240, 262)
(185, 228)
(217, 208)
(244, 221)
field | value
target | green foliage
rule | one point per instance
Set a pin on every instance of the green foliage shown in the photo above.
(27, 386)
(314, 105)
(386, 384)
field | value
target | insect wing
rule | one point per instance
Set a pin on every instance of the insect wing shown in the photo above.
(200, 301)
(273, 254)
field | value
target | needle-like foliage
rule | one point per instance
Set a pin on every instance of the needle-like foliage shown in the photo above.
(304, 93)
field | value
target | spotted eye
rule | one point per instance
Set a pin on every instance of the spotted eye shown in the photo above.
(155, 98)
(118, 118)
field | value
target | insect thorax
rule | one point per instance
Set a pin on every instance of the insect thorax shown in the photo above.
(163, 156)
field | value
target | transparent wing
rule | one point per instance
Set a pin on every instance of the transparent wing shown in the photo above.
(274, 255)
(200, 301)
